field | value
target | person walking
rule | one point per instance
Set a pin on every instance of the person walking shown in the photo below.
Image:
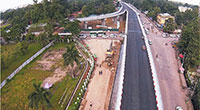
(90, 105)
(156, 55)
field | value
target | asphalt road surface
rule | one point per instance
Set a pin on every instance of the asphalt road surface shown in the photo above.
(138, 91)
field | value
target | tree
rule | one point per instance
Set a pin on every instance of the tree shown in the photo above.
(30, 37)
(70, 57)
(154, 13)
(84, 10)
(3, 62)
(24, 47)
(170, 26)
(39, 98)
(49, 29)
(74, 28)
(196, 96)
(183, 18)
(189, 44)
(57, 38)
(43, 39)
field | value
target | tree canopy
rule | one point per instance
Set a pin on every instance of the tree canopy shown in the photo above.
(51, 12)
(39, 98)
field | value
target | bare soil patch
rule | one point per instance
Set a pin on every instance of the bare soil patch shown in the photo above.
(53, 61)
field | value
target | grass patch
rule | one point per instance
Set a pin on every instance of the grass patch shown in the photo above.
(4, 26)
(14, 94)
(74, 106)
(58, 90)
(7, 50)
(79, 94)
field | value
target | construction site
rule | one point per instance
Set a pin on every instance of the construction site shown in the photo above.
(104, 28)
(103, 38)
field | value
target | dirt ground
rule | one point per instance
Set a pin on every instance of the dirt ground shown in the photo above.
(52, 61)
(110, 22)
(97, 96)
(171, 82)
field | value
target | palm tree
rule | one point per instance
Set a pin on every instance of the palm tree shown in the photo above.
(70, 57)
(39, 97)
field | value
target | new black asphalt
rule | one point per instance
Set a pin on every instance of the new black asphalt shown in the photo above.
(138, 91)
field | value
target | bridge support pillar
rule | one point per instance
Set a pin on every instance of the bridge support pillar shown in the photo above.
(85, 24)
(118, 21)
(103, 22)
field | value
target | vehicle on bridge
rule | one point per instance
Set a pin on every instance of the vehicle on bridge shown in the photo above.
(143, 47)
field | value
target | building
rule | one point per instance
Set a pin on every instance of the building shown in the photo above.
(183, 9)
(58, 30)
(162, 17)
(61, 32)
(37, 33)
(75, 14)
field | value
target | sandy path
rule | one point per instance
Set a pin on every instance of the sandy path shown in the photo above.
(98, 87)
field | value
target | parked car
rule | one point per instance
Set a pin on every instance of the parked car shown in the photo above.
(178, 35)
(143, 23)
(164, 35)
(178, 108)
(82, 36)
(142, 37)
(93, 35)
(150, 42)
(146, 31)
(105, 36)
(113, 35)
(172, 35)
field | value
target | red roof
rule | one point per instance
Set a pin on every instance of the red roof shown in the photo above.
(58, 30)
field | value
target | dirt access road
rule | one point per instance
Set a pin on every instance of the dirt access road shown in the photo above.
(97, 96)
(171, 82)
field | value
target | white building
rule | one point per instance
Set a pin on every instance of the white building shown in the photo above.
(183, 9)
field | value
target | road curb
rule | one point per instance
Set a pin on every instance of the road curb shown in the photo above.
(121, 77)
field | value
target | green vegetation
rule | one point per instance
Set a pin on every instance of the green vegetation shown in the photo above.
(13, 55)
(4, 26)
(21, 85)
(74, 106)
(70, 57)
(189, 44)
(98, 7)
(196, 96)
(183, 18)
(164, 6)
(60, 97)
(170, 26)
(39, 13)
(39, 98)
(74, 28)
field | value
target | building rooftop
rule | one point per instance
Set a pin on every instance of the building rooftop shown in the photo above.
(164, 14)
